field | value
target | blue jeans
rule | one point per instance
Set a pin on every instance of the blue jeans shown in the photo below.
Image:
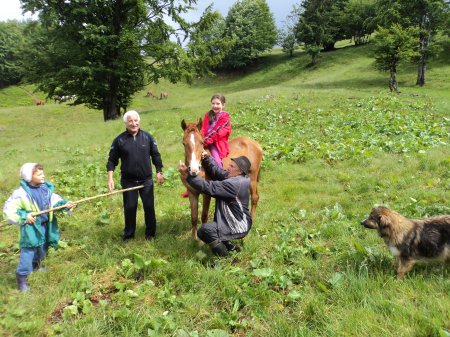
(30, 256)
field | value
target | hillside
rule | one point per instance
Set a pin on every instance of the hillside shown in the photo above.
(336, 143)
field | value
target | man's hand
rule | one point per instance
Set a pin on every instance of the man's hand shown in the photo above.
(110, 185)
(110, 181)
(159, 178)
(205, 154)
(182, 168)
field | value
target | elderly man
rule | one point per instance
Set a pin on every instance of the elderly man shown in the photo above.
(134, 147)
(231, 189)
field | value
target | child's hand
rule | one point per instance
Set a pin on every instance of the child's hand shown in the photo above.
(30, 219)
(70, 205)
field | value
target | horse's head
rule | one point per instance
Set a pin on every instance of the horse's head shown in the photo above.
(193, 146)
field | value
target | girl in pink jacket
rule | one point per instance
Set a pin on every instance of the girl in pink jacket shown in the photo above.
(216, 130)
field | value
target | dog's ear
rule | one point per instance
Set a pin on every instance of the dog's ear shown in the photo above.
(383, 220)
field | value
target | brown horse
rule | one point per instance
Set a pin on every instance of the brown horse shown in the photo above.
(193, 148)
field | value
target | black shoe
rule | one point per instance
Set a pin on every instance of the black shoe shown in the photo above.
(218, 248)
(150, 237)
(231, 247)
(125, 240)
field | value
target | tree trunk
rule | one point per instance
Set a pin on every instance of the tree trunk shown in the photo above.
(393, 85)
(421, 73)
(110, 108)
(422, 62)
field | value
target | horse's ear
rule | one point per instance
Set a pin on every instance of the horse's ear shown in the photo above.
(200, 123)
(183, 124)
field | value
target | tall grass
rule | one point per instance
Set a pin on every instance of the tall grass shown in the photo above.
(336, 143)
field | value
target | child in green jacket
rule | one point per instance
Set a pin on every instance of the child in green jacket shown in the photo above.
(37, 233)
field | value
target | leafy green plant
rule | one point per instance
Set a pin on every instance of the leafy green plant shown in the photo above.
(140, 268)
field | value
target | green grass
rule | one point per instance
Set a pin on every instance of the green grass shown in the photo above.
(336, 143)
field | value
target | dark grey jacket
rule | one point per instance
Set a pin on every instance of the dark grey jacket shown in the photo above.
(232, 198)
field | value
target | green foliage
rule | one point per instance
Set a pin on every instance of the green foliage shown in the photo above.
(428, 17)
(359, 129)
(208, 41)
(286, 35)
(251, 27)
(393, 45)
(318, 26)
(140, 268)
(11, 40)
(358, 20)
(98, 52)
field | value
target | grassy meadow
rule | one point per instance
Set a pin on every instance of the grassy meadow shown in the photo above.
(336, 143)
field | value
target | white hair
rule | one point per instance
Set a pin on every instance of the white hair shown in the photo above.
(131, 113)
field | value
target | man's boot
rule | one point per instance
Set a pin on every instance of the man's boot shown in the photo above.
(22, 284)
(231, 246)
(218, 248)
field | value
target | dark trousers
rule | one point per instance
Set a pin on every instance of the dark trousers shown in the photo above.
(209, 232)
(130, 203)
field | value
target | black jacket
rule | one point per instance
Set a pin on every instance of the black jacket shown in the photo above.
(135, 153)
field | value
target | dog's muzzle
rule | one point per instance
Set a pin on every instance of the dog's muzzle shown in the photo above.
(366, 224)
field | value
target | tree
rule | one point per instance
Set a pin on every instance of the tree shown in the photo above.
(319, 25)
(428, 16)
(357, 20)
(392, 45)
(105, 51)
(251, 27)
(286, 35)
(11, 39)
(208, 41)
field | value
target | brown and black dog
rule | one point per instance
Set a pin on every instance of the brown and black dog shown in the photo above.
(411, 239)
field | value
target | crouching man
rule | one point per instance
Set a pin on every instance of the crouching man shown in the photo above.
(231, 189)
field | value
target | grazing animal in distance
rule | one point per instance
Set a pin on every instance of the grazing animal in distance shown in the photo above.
(39, 102)
(64, 98)
(164, 95)
(149, 93)
(411, 239)
(193, 148)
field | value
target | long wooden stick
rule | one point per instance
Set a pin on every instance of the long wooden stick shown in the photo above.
(87, 199)
(84, 200)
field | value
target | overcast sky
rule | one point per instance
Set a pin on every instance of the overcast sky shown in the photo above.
(10, 9)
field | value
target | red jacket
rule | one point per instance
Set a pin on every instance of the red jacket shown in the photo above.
(220, 133)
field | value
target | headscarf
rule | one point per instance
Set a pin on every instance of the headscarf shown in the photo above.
(26, 171)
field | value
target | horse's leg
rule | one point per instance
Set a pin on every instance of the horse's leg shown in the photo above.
(205, 208)
(193, 200)
(255, 195)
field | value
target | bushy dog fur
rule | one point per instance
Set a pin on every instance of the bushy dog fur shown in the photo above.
(411, 239)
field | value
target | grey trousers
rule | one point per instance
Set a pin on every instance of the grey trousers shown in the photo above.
(209, 232)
